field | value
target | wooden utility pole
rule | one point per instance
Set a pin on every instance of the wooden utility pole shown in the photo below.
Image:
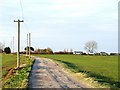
(18, 53)
(29, 44)
(13, 44)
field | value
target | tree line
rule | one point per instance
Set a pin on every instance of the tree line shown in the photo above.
(90, 47)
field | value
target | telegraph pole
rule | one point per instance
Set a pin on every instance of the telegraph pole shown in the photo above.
(18, 53)
(13, 44)
(29, 44)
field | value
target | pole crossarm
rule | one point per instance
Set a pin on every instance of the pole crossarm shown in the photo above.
(18, 21)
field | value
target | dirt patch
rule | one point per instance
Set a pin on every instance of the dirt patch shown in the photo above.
(9, 74)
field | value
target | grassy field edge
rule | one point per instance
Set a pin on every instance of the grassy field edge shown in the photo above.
(20, 77)
(99, 78)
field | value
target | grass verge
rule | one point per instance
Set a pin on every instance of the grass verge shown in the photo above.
(9, 61)
(101, 79)
(16, 78)
(19, 79)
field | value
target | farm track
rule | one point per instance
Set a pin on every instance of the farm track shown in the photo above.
(47, 74)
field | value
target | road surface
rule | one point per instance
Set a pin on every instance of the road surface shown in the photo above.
(46, 73)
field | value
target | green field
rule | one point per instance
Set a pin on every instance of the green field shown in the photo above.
(9, 61)
(103, 68)
(19, 78)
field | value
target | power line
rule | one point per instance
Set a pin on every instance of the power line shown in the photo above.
(21, 8)
(26, 26)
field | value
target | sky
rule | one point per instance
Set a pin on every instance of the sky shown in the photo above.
(61, 24)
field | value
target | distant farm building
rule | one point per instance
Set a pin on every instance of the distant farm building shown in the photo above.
(103, 54)
(78, 52)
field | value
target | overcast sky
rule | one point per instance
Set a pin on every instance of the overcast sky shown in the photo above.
(61, 24)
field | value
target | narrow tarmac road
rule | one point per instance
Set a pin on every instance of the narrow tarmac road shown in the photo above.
(45, 73)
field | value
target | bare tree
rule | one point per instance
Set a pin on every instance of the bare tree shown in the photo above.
(90, 46)
(1, 45)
